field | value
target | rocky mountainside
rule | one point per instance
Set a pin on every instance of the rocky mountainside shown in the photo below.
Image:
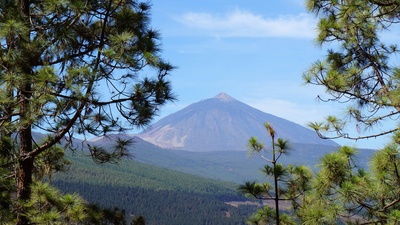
(223, 123)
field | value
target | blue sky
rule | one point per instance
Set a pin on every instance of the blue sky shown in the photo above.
(255, 51)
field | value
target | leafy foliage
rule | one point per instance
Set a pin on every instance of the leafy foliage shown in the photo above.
(48, 206)
(73, 67)
(341, 192)
(7, 182)
(290, 182)
(359, 69)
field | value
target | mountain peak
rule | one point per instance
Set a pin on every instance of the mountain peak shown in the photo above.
(223, 123)
(224, 97)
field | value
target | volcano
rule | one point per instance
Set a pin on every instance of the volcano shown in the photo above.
(223, 123)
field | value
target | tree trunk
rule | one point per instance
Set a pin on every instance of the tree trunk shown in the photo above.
(25, 168)
(276, 194)
(276, 198)
(25, 161)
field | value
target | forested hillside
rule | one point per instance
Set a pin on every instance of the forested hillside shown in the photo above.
(233, 166)
(162, 196)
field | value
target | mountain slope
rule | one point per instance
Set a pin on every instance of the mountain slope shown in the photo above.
(162, 196)
(223, 123)
(233, 166)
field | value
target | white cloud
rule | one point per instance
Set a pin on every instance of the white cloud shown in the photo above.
(239, 23)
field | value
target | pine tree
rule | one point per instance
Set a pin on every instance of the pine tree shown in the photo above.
(344, 192)
(73, 67)
(360, 68)
(290, 183)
